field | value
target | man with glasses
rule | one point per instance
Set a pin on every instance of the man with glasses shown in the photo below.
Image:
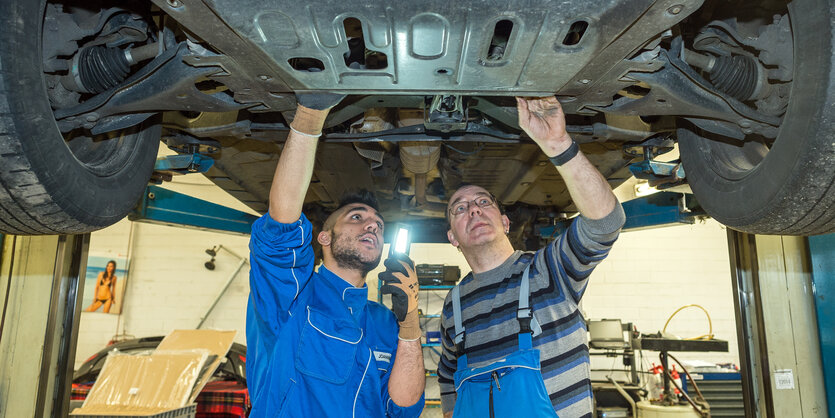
(514, 340)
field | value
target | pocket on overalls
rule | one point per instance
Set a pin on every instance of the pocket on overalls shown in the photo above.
(327, 347)
(511, 387)
(478, 391)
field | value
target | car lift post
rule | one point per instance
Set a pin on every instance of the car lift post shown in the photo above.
(778, 326)
(42, 283)
(822, 250)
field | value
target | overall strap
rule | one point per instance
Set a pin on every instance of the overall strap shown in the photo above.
(528, 325)
(458, 339)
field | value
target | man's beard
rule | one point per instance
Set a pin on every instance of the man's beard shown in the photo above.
(350, 258)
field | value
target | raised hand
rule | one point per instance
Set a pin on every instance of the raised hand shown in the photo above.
(400, 281)
(544, 121)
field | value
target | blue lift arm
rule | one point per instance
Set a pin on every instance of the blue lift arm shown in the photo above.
(660, 209)
(653, 211)
(166, 207)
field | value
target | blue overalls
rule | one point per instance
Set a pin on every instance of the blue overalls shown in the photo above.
(510, 387)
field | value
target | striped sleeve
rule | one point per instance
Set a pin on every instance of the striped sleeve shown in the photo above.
(572, 257)
(449, 359)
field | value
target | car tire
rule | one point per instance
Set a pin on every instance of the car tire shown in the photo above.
(786, 189)
(49, 184)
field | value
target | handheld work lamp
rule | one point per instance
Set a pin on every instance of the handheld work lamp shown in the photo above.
(402, 240)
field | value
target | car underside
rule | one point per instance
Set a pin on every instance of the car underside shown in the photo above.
(741, 88)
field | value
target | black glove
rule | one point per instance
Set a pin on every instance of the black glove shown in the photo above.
(400, 281)
(319, 101)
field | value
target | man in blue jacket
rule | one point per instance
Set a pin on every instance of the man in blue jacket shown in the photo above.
(317, 347)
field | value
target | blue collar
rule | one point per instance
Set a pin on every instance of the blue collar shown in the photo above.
(355, 298)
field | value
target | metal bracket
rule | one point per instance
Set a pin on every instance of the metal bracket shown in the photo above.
(659, 174)
(445, 113)
(185, 163)
(169, 165)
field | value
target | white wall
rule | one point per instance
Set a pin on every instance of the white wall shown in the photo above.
(168, 287)
(651, 273)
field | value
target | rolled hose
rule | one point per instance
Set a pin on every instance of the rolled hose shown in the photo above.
(708, 336)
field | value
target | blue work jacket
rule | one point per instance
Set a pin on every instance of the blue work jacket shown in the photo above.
(316, 346)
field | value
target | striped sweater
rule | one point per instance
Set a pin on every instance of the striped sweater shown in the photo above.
(558, 278)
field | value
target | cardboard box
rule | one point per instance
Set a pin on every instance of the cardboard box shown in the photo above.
(216, 342)
(167, 380)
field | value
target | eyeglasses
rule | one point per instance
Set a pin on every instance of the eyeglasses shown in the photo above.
(464, 206)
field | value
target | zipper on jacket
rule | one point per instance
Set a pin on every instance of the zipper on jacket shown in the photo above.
(492, 414)
(499, 387)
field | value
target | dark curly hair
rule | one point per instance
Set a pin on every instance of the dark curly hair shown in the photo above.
(356, 196)
(363, 196)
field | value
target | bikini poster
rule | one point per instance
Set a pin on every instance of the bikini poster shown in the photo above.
(104, 283)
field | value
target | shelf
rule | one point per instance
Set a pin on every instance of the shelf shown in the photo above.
(663, 344)
(433, 287)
